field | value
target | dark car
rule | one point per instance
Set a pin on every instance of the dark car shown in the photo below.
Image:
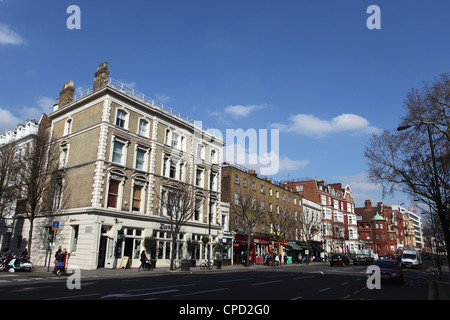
(339, 259)
(390, 270)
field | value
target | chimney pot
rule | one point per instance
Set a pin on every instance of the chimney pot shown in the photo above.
(101, 76)
(66, 94)
(367, 204)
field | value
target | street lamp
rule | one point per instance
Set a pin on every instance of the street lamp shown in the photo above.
(427, 123)
(438, 191)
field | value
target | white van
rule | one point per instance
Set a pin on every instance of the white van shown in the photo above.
(411, 258)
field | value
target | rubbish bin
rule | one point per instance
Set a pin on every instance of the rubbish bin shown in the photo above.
(185, 265)
(219, 264)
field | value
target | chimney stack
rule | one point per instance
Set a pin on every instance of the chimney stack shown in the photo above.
(66, 94)
(101, 76)
(367, 205)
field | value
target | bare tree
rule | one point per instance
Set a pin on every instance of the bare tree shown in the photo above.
(39, 180)
(179, 202)
(283, 223)
(248, 210)
(10, 164)
(310, 223)
(418, 160)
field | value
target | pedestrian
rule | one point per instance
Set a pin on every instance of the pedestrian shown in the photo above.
(56, 261)
(300, 258)
(250, 260)
(143, 260)
(60, 262)
(277, 260)
(285, 259)
(24, 253)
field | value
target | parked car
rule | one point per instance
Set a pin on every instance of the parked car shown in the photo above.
(390, 270)
(339, 259)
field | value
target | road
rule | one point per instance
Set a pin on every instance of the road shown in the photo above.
(314, 282)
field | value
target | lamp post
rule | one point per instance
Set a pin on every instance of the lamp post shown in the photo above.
(438, 191)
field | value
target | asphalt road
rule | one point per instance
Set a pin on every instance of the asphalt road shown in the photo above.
(315, 282)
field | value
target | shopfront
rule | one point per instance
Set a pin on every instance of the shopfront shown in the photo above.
(259, 246)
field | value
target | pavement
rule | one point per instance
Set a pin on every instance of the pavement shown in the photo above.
(441, 288)
(438, 289)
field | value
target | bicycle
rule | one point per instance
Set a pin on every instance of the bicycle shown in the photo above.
(206, 265)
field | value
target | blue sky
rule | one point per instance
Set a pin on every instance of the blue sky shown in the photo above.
(311, 69)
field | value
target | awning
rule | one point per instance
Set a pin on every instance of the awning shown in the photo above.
(293, 246)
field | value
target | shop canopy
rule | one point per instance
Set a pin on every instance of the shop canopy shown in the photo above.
(293, 246)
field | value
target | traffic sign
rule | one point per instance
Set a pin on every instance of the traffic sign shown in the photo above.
(55, 225)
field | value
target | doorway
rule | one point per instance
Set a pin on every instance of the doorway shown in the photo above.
(102, 252)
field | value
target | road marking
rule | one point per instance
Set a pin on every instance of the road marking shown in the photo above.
(297, 298)
(261, 283)
(281, 275)
(71, 297)
(344, 283)
(200, 292)
(165, 287)
(235, 280)
(128, 295)
(324, 289)
(305, 277)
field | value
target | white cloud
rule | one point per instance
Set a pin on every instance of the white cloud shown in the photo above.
(10, 121)
(310, 125)
(7, 120)
(267, 163)
(361, 189)
(44, 105)
(8, 36)
(287, 164)
(241, 111)
(162, 97)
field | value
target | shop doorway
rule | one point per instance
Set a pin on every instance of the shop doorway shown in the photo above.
(102, 252)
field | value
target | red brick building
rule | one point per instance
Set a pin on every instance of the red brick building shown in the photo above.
(380, 228)
(339, 225)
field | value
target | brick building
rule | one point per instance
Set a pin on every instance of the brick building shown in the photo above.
(119, 150)
(278, 235)
(339, 227)
(381, 228)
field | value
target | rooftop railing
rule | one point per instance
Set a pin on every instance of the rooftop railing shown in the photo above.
(152, 103)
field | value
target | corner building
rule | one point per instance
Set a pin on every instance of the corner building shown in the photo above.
(119, 150)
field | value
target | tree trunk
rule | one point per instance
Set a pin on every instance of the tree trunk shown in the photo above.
(247, 263)
(174, 252)
(30, 236)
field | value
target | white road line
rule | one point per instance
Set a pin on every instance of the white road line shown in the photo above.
(344, 283)
(324, 289)
(235, 280)
(165, 287)
(261, 283)
(297, 298)
(200, 292)
(305, 277)
(72, 297)
(282, 275)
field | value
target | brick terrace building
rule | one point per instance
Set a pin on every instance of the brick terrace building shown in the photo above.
(339, 230)
(271, 199)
